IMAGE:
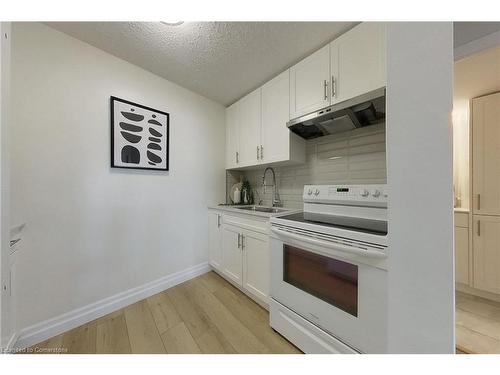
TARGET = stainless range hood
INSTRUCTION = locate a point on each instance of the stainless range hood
(364, 110)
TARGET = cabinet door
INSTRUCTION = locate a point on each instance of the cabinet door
(275, 115)
(358, 61)
(256, 272)
(486, 250)
(215, 240)
(309, 82)
(232, 265)
(462, 255)
(486, 154)
(232, 136)
(250, 123)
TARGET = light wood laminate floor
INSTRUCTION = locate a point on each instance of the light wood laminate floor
(477, 324)
(202, 315)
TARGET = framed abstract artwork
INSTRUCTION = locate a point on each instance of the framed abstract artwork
(139, 136)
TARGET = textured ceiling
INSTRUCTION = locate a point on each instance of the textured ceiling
(220, 60)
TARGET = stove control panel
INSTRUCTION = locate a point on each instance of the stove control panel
(346, 194)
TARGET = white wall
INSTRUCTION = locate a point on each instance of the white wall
(474, 76)
(93, 231)
(419, 173)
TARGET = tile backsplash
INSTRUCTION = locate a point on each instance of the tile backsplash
(354, 157)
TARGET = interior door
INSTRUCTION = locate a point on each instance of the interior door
(486, 239)
(275, 115)
(256, 269)
(250, 124)
(232, 265)
(232, 136)
(358, 61)
(309, 82)
(215, 240)
(486, 154)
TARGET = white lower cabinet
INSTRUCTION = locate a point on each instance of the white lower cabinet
(215, 239)
(462, 248)
(462, 255)
(256, 264)
(232, 258)
(239, 252)
(486, 260)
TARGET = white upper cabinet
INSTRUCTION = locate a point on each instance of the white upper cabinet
(250, 125)
(278, 143)
(351, 65)
(309, 83)
(485, 154)
(232, 136)
(256, 130)
(358, 61)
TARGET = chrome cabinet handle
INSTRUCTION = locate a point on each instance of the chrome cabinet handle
(334, 87)
(261, 152)
(479, 201)
(218, 221)
(237, 157)
(242, 242)
(239, 244)
(479, 228)
(325, 87)
(257, 152)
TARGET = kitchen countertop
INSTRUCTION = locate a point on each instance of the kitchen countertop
(234, 209)
(461, 209)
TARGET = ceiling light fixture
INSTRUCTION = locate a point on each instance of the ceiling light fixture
(175, 23)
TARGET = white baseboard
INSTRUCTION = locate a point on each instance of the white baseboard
(62, 323)
(476, 292)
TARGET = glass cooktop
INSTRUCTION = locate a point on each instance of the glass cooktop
(378, 227)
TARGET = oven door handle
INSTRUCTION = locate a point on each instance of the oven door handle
(339, 247)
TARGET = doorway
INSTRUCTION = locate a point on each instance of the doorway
(476, 137)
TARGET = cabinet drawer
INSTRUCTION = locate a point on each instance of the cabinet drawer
(305, 335)
(256, 224)
(462, 219)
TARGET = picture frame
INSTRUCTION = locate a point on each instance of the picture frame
(140, 136)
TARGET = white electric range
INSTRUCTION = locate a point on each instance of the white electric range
(329, 272)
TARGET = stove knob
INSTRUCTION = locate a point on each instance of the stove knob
(365, 193)
(309, 192)
(316, 192)
(376, 193)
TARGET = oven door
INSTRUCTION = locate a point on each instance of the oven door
(342, 292)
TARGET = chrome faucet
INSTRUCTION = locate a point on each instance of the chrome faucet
(276, 196)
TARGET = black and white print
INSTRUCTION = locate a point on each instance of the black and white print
(139, 136)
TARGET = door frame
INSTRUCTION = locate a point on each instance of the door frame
(8, 323)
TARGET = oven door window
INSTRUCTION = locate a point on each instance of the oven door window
(331, 280)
